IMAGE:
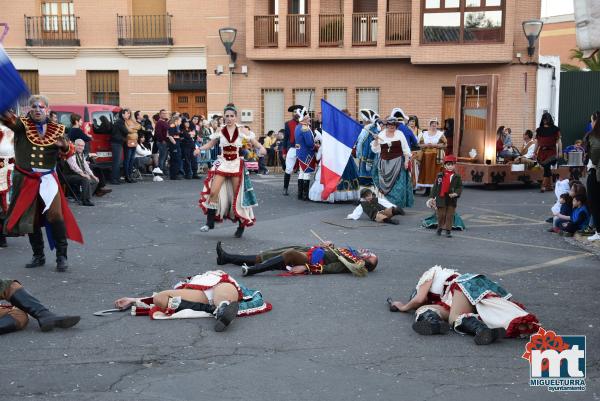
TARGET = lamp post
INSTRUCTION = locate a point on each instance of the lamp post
(227, 36)
(532, 29)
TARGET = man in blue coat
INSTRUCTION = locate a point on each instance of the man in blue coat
(305, 152)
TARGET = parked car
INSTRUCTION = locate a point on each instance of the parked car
(97, 121)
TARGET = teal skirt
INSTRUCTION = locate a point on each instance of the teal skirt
(401, 194)
(431, 222)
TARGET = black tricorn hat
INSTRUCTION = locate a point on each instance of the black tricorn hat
(295, 107)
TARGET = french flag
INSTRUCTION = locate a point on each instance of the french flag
(340, 133)
(12, 86)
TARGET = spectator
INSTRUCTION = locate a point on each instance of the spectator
(76, 132)
(117, 139)
(52, 116)
(204, 156)
(143, 157)
(174, 146)
(160, 137)
(279, 147)
(269, 143)
(592, 150)
(188, 146)
(215, 128)
(79, 175)
(579, 219)
(134, 129)
(564, 215)
(504, 144)
(576, 147)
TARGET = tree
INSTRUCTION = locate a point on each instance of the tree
(592, 63)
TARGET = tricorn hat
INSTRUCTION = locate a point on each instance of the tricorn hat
(295, 107)
(368, 116)
(399, 114)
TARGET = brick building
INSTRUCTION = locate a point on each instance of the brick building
(152, 54)
(559, 37)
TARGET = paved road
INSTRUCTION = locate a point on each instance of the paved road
(327, 338)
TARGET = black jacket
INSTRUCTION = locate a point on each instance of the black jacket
(119, 132)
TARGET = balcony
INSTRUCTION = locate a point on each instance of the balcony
(397, 29)
(331, 30)
(266, 30)
(364, 29)
(144, 30)
(51, 30)
(298, 30)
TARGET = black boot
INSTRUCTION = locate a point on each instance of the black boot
(300, 189)
(225, 313)
(46, 319)
(197, 306)
(59, 232)
(305, 189)
(7, 324)
(224, 258)
(240, 231)
(2, 239)
(429, 323)
(37, 244)
(286, 183)
(398, 211)
(210, 218)
(276, 263)
(427, 192)
(483, 334)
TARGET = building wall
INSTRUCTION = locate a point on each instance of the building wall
(557, 39)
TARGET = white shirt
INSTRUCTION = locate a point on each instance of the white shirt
(398, 136)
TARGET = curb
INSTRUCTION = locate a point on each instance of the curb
(583, 243)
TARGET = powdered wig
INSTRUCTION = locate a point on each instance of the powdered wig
(33, 99)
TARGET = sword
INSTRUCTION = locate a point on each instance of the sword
(110, 311)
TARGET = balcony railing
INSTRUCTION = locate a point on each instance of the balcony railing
(51, 30)
(331, 30)
(266, 30)
(364, 29)
(397, 29)
(144, 30)
(298, 30)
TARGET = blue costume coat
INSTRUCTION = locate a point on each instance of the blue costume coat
(305, 149)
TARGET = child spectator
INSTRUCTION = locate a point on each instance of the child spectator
(576, 147)
(580, 217)
(566, 208)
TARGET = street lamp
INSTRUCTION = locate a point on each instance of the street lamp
(227, 36)
(532, 29)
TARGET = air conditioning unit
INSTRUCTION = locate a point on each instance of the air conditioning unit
(247, 116)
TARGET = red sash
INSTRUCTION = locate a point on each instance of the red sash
(29, 191)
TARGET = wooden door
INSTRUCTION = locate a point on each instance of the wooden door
(191, 102)
(148, 7)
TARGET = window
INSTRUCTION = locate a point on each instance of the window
(102, 121)
(103, 87)
(188, 80)
(463, 21)
(273, 110)
(58, 16)
(306, 98)
(367, 98)
(337, 97)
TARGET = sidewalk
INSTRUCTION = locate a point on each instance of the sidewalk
(582, 242)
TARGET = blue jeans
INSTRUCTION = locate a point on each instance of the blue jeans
(128, 161)
(117, 151)
(162, 155)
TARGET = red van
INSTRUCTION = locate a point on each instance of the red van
(98, 120)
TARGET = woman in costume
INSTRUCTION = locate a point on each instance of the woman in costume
(213, 293)
(471, 303)
(413, 125)
(548, 146)
(432, 144)
(7, 164)
(391, 174)
(228, 191)
(364, 153)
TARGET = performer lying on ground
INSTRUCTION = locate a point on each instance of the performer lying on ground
(14, 317)
(321, 259)
(471, 303)
(213, 293)
(377, 209)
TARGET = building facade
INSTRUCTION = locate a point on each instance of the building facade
(379, 54)
(559, 37)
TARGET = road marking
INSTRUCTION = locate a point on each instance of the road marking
(505, 225)
(510, 243)
(553, 262)
(506, 214)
